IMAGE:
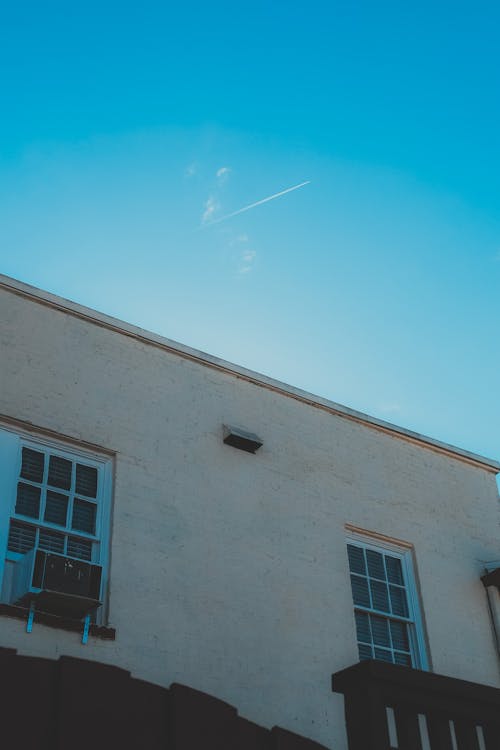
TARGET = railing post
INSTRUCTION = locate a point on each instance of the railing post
(365, 715)
(438, 727)
(407, 729)
(491, 734)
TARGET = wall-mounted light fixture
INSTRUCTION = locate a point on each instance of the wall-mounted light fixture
(491, 582)
(245, 441)
(492, 577)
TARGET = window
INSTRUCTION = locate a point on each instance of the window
(54, 498)
(388, 623)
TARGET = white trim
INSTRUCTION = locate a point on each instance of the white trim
(404, 552)
(55, 440)
(114, 324)
(375, 539)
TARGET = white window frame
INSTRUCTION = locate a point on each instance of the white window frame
(12, 441)
(404, 553)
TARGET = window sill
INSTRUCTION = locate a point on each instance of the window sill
(60, 623)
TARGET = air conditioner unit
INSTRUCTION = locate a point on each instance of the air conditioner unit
(57, 584)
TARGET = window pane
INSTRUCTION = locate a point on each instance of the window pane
(398, 601)
(360, 593)
(356, 559)
(56, 508)
(363, 627)
(86, 480)
(380, 597)
(83, 516)
(51, 541)
(80, 548)
(375, 564)
(402, 659)
(60, 472)
(399, 633)
(383, 655)
(32, 465)
(21, 537)
(394, 572)
(380, 631)
(28, 500)
(365, 652)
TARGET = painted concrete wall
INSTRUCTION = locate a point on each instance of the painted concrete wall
(229, 570)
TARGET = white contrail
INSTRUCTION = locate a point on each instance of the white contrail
(257, 203)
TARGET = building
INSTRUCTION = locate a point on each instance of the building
(229, 514)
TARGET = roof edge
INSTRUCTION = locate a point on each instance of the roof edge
(115, 324)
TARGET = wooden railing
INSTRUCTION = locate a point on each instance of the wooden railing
(389, 706)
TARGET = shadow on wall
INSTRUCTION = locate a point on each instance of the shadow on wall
(77, 704)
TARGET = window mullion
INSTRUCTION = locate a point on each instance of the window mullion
(388, 586)
(368, 578)
(46, 458)
(69, 518)
(43, 503)
(386, 615)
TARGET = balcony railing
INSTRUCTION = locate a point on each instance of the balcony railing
(389, 706)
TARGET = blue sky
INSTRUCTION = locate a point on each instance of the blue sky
(376, 285)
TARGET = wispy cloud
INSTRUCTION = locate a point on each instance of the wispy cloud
(259, 203)
(246, 261)
(191, 170)
(239, 239)
(248, 256)
(210, 208)
(222, 174)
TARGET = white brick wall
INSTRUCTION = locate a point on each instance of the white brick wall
(228, 570)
